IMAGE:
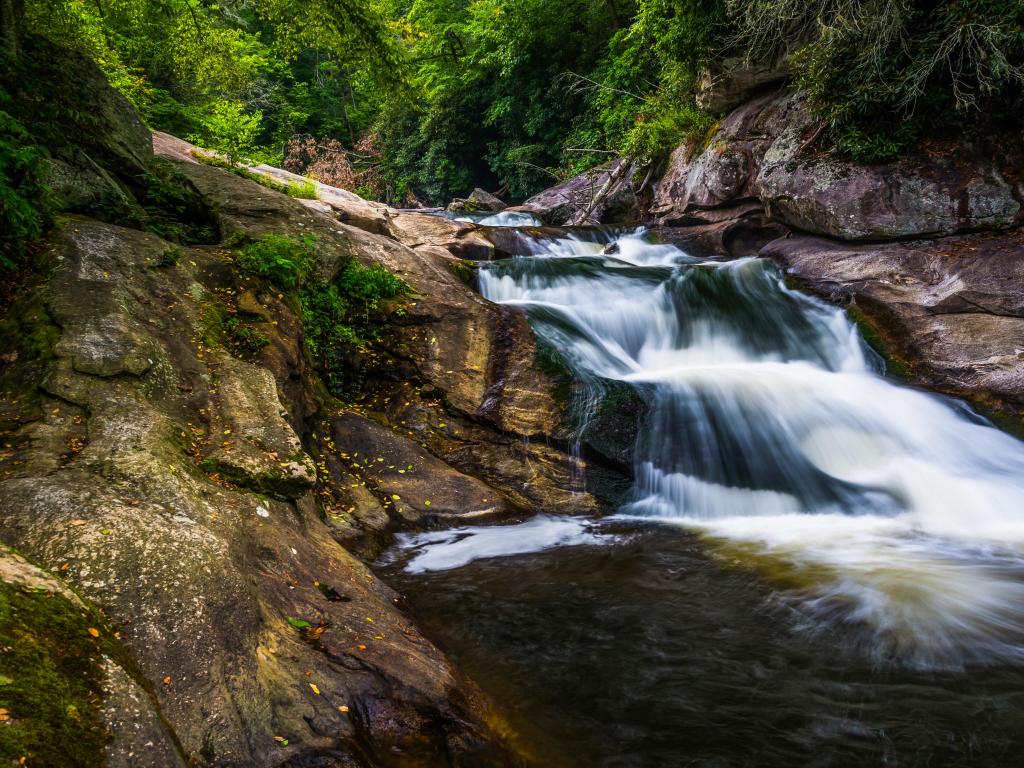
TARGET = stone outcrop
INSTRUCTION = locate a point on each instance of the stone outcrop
(479, 200)
(602, 195)
(761, 152)
(209, 499)
(99, 143)
(950, 311)
(169, 482)
(927, 250)
(727, 84)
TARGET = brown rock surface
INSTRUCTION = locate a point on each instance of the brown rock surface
(951, 309)
(202, 576)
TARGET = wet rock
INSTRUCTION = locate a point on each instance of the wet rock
(128, 714)
(950, 310)
(478, 200)
(567, 203)
(761, 152)
(202, 576)
(409, 479)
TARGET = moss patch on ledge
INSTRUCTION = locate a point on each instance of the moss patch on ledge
(875, 337)
(51, 677)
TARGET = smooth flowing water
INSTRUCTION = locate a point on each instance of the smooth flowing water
(815, 566)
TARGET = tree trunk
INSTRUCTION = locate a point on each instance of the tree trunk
(12, 14)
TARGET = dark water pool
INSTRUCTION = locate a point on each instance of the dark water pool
(649, 652)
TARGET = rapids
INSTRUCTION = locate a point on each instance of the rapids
(881, 520)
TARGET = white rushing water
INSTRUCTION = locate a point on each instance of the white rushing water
(885, 509)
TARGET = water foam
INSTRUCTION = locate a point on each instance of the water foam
(771, 432)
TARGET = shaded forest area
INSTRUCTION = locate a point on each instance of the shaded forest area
(416, 101)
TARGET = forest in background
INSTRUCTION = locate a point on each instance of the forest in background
(417, 101)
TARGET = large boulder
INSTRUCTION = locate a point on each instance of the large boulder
(762, 151)
(479, 200)
(949, 311)
(602, 195)
(95, 134)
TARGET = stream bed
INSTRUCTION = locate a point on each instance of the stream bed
(815, 566)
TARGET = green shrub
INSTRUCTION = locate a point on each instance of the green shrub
(229, 129)
(281, 260)
(340, 313)
(24, 198)
(243, 338)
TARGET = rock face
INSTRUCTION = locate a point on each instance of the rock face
(130, 729)
(894, 241)
(951, 310)
(573, 202)
(759, 152)
(137, 471)
(478, 200)
(98, 143)
(204, 496)
(729, 83)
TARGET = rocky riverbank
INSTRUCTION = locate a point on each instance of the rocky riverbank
(927, 251)
(173, 458)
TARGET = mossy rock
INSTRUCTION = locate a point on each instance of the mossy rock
(52, 652)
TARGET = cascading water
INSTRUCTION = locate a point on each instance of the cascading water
(770, 431)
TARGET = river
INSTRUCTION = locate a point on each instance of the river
(815, 565)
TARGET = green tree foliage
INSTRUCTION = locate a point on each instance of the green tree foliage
(434, 97)
(24, 209)
(230, 129)
(884, 73)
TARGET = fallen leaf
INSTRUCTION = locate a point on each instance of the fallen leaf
(314, 689)
(343, 708)
(167, 679)
(299, 623)
(93, 631)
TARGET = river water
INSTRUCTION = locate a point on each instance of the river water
(815, 565)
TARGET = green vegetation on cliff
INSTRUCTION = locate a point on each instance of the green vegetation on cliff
(424, 99)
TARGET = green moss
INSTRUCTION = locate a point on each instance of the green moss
(875, 338)
(274, 483)
(27, 337)
(302, 190)
(465, 270)
(211, 324)
(51, 680)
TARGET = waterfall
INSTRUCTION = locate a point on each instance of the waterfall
(772, 432)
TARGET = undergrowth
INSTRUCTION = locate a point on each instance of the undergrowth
(338, 316)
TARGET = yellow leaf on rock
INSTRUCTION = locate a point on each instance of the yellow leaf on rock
(315, 689)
